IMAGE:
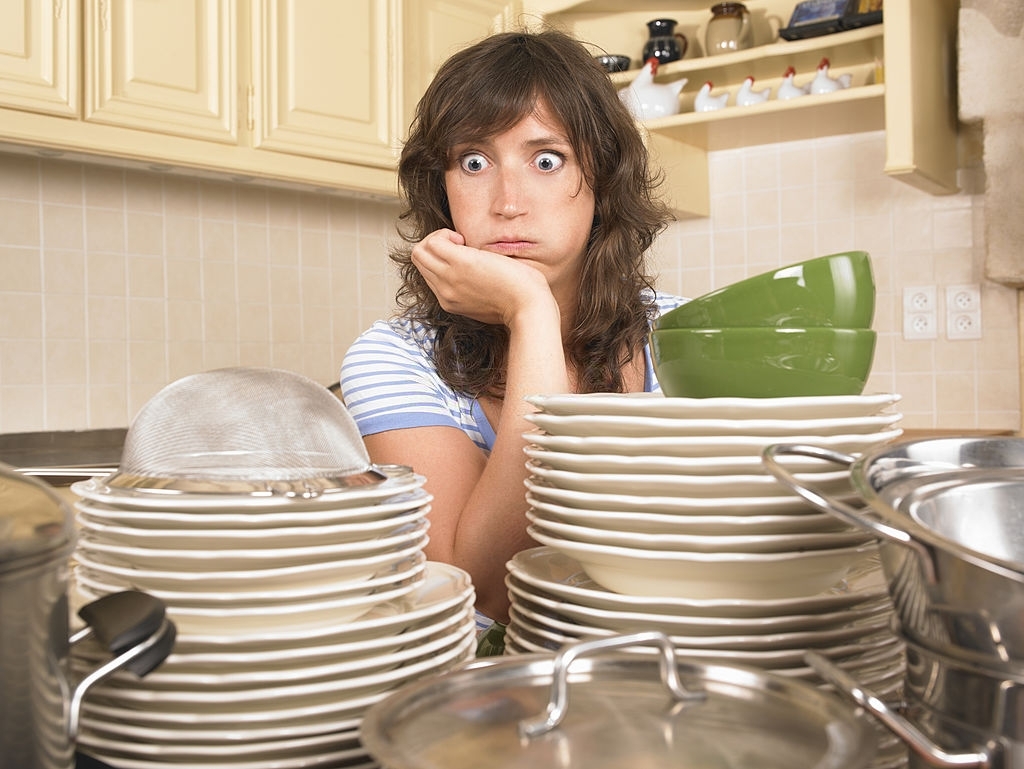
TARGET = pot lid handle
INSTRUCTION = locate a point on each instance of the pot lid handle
(559, 699)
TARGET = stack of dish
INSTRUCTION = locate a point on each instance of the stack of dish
(293, 568)
(657, 513)
(293, 617)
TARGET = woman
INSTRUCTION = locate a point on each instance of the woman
(530, 206)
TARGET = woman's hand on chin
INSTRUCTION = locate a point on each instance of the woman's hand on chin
(488, 287)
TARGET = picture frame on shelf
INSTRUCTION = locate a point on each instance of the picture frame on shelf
(814, 18)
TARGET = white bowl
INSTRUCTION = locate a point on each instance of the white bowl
(709, 575)
(638, 522)
(738, 544)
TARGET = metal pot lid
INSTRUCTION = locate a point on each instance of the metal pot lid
(35, 524)
(586, 707)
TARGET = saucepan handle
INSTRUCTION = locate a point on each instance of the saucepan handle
(856, 517)
(134, 627)
(986, 758)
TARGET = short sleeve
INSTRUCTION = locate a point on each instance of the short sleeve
(388, 382)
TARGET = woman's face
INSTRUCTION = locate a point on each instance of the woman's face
(521, 193)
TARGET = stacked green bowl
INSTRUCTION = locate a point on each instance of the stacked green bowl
(800, 330)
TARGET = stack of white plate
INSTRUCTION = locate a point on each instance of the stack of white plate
(293, 615)
(657, 513)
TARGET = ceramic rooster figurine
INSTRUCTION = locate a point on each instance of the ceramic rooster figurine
(705, 102)
(646, 99)
(788, 89)
(746, 95)
(825, 83)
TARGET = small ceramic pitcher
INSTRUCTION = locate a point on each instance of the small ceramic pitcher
(663, 42)
(728, 30)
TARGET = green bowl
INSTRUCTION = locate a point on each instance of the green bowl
(762, 362)
(836, 291)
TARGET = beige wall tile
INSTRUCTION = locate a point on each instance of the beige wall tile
(19, 223)
(20, 269)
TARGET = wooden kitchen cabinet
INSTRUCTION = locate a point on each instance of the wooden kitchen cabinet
(306, 92)
(914, 101)
(39, 56)
(163, 67)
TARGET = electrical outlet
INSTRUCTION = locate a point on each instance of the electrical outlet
(920, 318)
(963, 311)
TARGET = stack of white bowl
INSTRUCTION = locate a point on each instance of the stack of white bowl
(293, 615)
(657, 513)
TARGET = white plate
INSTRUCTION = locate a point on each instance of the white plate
(173, 674)
(289, 657)
(644, 427)
(118, 723)
(246, 619)
(97, 490)
(703, 446)
(644, 484)
(563, 576)
(445, 589)
(391, 574)
(348, 758)
(304, 575)
(678, 505)
(709, 575)
(526, 636)
(690, 543)
(625, 621)
(796, 640)
(213, 560)
(93, 520)
(257, 699)
(667, 523)
(743, 464)
(657, 405)
(271, 750)
(258, 518)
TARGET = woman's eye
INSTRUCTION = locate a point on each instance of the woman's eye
(473, 163)
(549, 161)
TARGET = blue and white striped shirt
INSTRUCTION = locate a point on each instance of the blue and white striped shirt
(388, 381)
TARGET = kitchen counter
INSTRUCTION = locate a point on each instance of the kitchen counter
(76, 454)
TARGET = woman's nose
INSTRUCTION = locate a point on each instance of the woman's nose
(508, 198)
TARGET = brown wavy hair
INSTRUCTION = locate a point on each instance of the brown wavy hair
(482, 91)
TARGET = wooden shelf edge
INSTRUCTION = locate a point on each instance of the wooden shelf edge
(853, 110)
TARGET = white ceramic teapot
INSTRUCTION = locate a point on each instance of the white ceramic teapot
(646, 99)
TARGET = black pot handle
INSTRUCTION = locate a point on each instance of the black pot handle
(122, 620)
(134, 627)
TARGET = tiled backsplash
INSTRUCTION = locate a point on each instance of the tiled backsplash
(114, 282)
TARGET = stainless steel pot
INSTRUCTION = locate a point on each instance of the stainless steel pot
(595, 705)
(39, 702)
(948, 513)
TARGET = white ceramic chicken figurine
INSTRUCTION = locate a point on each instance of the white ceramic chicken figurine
(646, 99)
(746, 95)
(705, 102)
(825, 83)
(788, 89)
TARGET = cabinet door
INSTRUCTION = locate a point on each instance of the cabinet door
(164, 66)
(39, 56)
(434, 30)
(324, 79)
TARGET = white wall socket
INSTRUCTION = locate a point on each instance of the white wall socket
(963, 311)
(920, 317)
